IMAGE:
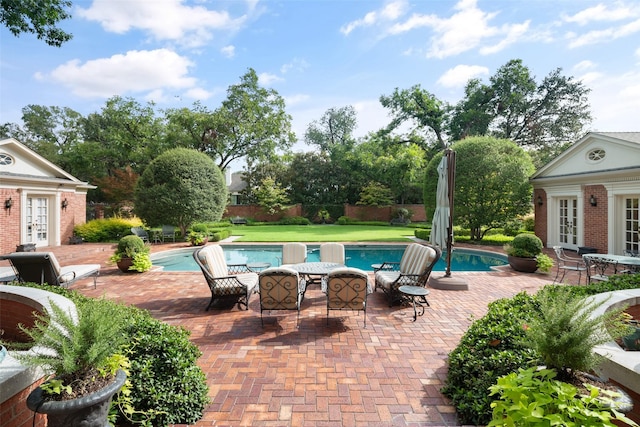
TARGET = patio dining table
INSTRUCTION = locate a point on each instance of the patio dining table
(620, 259)
(309, 269)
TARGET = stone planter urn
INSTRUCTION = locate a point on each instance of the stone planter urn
(124, 265)
(523, 265)
(86, 411)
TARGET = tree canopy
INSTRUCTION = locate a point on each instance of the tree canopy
(36, 17)
(180, 187)
(492, 183)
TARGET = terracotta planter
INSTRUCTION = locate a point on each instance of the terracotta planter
(124, 265)
(86, 411)
(524, 265)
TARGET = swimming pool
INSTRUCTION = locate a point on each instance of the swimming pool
(358, 256)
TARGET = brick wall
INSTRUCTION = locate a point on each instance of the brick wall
(595, 218)
(14, 411)
(256, 213)
(375, 213)
(540, 212)
(9, 221)
(74, 214)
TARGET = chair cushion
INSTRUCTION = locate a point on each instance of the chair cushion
(250, 280)
(332, 252)
(213, 259)
(416, 259)
(294, 253)
(279, 289)
(384, 278)
(347, 288)
(70, 273)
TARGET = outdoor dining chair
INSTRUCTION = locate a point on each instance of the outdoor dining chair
(234, 282)
(141, 233)
(413, 269)
(168, 232)
(43, 267)
(280, 288)
(294, 253)
(332, 252)
(347, 289)
(567, 263)
(599, 268)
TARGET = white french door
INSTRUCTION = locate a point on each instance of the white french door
(37, 220)
(568, 220)
(631, 223)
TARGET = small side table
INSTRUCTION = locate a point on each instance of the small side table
(413, 293)
(258, 266)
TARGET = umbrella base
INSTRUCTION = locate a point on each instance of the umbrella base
(448, 283)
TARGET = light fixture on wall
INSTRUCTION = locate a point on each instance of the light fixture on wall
(8, 203)
(593, 200)
(64, 204)
(540, 202)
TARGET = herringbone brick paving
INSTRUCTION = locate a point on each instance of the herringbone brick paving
(341, 374)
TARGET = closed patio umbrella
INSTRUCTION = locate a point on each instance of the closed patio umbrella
(440, 221)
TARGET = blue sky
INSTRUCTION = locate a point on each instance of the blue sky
(320, 54)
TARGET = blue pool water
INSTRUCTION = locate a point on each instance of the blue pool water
(358, 256)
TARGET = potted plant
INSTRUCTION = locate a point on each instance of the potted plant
(523, 251)
(79, 353)
(563, 334)
(132, 254)
(198, 235)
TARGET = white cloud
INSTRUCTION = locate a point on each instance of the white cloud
(296, 64)
(198, 94)
(228, 51)
(295, 99)
(606, 35)
(600, 12)
(468, 28)
(459, 75)
(615, 101)
(133, 72)
(163, 19)
(584, 65)
(389, 13)
(268, 79)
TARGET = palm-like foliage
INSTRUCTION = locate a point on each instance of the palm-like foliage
(67, 345)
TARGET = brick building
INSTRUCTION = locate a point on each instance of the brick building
(39, 202)
(589, 196)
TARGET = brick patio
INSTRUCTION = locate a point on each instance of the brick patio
(341, 374)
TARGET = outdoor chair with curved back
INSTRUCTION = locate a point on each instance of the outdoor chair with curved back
(347, 289)
(567, 263)
(226, 281)
(332, 252)
(294, 253)
(414, 269)
(280, 288)
(43, 267)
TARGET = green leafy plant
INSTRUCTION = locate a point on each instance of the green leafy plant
(544, 262)
(564, 334)
(532, 397)
(524, 245)
(133, 247)
(74, 351)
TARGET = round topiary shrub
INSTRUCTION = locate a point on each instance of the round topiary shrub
(130, 245)
(525, 246)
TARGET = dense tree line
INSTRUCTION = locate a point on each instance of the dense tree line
(112, 147)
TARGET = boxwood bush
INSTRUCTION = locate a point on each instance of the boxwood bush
(493, 346)
(167, 385)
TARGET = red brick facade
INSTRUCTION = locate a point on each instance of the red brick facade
(596, 235)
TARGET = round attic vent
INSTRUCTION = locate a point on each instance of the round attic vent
(596, 155)
(5, 159)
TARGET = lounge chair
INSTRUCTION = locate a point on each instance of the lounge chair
(43, 267)
(226, 281)
(413, 269)
(347, 289)
(280, 288)
(332, 252)
(141, 233)
(294, 253)
(7, 275)
(567, 263)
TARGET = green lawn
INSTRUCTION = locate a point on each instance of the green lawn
(322, 233)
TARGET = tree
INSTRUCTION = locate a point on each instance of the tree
(36, 17)
(335, 128)
(492, 183)
(545, 117)
(271, 196)
(250, 123)
(376, 194)
(420, 106)
(180, 187)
